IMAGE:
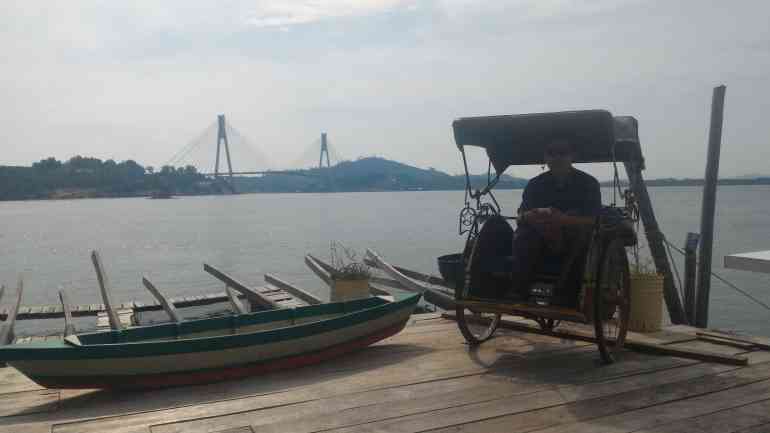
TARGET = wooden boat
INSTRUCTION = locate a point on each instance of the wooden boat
(214, 349)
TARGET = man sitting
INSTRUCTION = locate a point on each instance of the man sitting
(554, 203)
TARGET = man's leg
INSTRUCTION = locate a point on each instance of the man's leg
(528, 250)
(575, 238)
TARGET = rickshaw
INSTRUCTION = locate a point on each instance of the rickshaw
(597, 253)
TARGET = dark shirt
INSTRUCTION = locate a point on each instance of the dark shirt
(580, 195)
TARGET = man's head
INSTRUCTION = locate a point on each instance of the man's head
(559, 154)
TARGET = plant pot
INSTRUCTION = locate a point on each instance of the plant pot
(345, 290)
(646, 302)
(452, 269)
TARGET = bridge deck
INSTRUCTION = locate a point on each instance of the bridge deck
(427, 379)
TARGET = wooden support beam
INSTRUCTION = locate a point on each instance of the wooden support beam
(294, 290)
(69, 326)
(758, 342)
(708, 207)
(166, 303)
(690, 268)
(234, 301)
(104, 287)
(638, 346)
(430, 294)
(655, 241)
(6, 331)
(255, 298)
(317, 269)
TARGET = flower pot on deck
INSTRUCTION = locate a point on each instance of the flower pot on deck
(646, 302)
(345, 290)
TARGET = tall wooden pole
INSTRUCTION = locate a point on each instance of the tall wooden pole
(655, 241)
(709, 205)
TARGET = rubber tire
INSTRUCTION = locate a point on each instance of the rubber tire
(608, 350)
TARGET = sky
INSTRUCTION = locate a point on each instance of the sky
(142, 79)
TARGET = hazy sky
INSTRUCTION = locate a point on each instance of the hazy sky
(383, 77)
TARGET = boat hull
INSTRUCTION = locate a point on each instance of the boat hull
(200, 360)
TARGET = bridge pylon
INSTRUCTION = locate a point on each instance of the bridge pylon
(324, 151)
(222, 138)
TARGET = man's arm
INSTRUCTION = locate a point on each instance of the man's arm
(526, 199)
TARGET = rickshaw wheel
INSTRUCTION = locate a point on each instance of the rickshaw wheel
(612, 301)
(476, 327)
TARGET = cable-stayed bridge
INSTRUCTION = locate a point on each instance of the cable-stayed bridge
(221, 152)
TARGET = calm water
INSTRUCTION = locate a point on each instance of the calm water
(248, 235)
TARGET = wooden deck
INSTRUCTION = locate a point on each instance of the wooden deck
(427, 379)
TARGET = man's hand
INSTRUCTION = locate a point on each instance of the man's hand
(544, 215)
(536, 216)
(557, 218)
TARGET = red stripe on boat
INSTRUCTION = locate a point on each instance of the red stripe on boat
(160, 380)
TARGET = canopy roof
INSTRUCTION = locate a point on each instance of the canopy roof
(521, 139)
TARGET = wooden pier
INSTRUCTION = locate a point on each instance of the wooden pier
(427, 379)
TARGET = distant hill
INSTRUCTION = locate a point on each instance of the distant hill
(670, 181)
(367, 174)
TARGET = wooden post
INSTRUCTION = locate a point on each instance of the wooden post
(234, 301)
(690, 266)
(430, 295)
(655, 241)
(326, 266)
(293, 290)
(256, 299)
(164, 301)
(104, 287)
(709, 205)
(6, 330)
(69, 327)
(319, 270)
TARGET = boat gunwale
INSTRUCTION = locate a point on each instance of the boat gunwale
(63, 350)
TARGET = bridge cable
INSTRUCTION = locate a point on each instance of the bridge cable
(190, 146)
(257, 153)
(310, 154)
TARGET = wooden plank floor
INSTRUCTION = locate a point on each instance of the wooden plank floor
(427, 379)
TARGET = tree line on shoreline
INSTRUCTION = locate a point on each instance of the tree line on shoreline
(85, 177)
(81, 177)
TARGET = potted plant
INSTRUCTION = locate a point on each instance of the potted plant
(350, 276)
(646, 295)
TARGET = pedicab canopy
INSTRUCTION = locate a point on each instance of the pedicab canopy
(521, 139)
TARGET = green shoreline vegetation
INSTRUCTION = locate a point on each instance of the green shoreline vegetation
(85, 177)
